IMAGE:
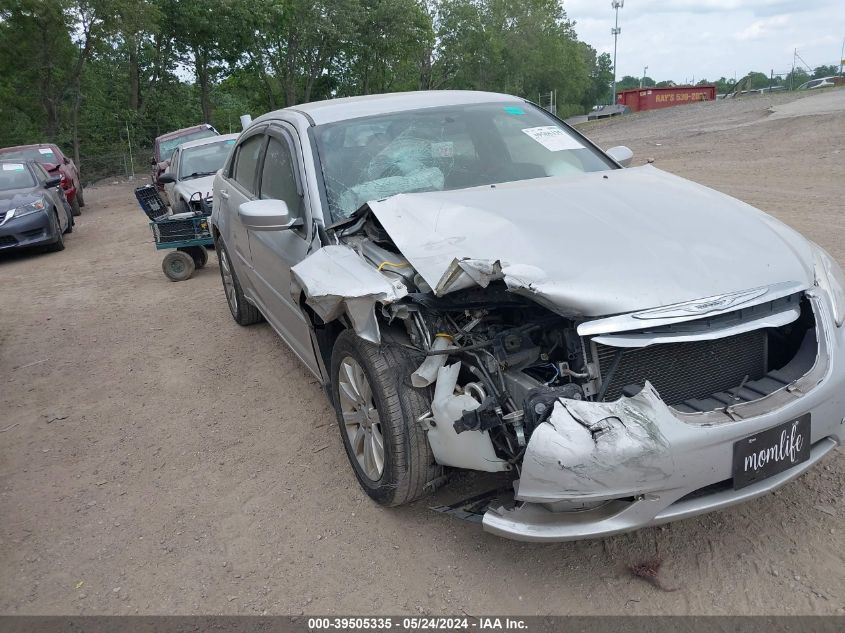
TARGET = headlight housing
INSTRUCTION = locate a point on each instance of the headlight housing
(829, 277)
(32, 207)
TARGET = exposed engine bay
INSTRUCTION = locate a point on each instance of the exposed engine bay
(499, 362)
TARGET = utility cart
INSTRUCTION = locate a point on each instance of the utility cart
(187, 233)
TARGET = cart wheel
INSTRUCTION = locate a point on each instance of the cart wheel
(178, 266)
(198, 253)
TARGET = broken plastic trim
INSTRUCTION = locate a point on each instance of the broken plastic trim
(337, 281)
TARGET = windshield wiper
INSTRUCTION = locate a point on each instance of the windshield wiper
(199, 174)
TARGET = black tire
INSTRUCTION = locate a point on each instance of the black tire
(178, 266)
(199, 254)
(59, 244)
(242, 311)
(70, 221)
(408, 464)
(79, 195)
(74, 206)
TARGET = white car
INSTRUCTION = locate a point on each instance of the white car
(822, 82)
(189, 179)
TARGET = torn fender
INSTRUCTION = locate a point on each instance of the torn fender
(598, 450)
(336, 281)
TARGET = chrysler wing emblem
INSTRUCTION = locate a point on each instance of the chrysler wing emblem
(701, 307)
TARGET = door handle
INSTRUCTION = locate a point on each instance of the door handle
(224, 193)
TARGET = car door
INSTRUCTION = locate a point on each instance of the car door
(281, 177)
(241, 185)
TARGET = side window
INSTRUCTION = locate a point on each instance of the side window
(40, 172)
(246, 163)
(278, 180)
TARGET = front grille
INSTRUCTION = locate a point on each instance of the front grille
(686, 371)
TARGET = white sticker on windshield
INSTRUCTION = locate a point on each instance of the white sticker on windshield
(553, 138)
(12, 166)
(45, 151)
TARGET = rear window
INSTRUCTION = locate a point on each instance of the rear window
(39, 154)
(15, 176)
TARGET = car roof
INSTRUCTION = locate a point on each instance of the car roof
(333, 110)
(183, 131)
(208, 140)
(30, 146)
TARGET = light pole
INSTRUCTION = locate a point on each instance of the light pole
(842, 56)
(645, 70)
(615, 31)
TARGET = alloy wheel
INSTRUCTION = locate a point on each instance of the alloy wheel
(360, 418)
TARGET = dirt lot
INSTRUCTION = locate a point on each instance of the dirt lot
(157, 458)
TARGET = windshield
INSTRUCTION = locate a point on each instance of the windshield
(15, 176)
(438, 149)
(165, 148)
(40, 154)
(204, 160)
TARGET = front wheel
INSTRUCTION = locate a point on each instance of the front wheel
(378, 412)
(74, 206)
(79, 195)
(59, 244)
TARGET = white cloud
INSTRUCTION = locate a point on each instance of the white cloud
(686, 39)
(763, 28)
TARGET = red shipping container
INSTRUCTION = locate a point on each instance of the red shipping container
(651, 98)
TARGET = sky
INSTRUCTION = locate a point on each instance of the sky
(707, 39)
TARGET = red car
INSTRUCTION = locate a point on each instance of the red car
(56, 163)
(166, 143)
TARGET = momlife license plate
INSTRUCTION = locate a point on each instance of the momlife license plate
(770, 452)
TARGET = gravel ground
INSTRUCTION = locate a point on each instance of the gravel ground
(157, 458)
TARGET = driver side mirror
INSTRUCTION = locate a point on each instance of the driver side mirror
(52, 181)
(621, 155)
(267, 215)
(167, 179)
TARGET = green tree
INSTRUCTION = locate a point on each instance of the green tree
(35, 62)
(601, 79)
(825, 71)
(627, 82)
(524, 47)
(795, 78)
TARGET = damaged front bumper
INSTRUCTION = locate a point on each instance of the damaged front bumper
(598, 469)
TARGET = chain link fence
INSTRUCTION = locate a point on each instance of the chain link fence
(116, 165)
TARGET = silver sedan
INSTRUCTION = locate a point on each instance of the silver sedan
(478, 286)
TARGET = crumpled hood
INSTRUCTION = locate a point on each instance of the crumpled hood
(595, 244)
(16, 198)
